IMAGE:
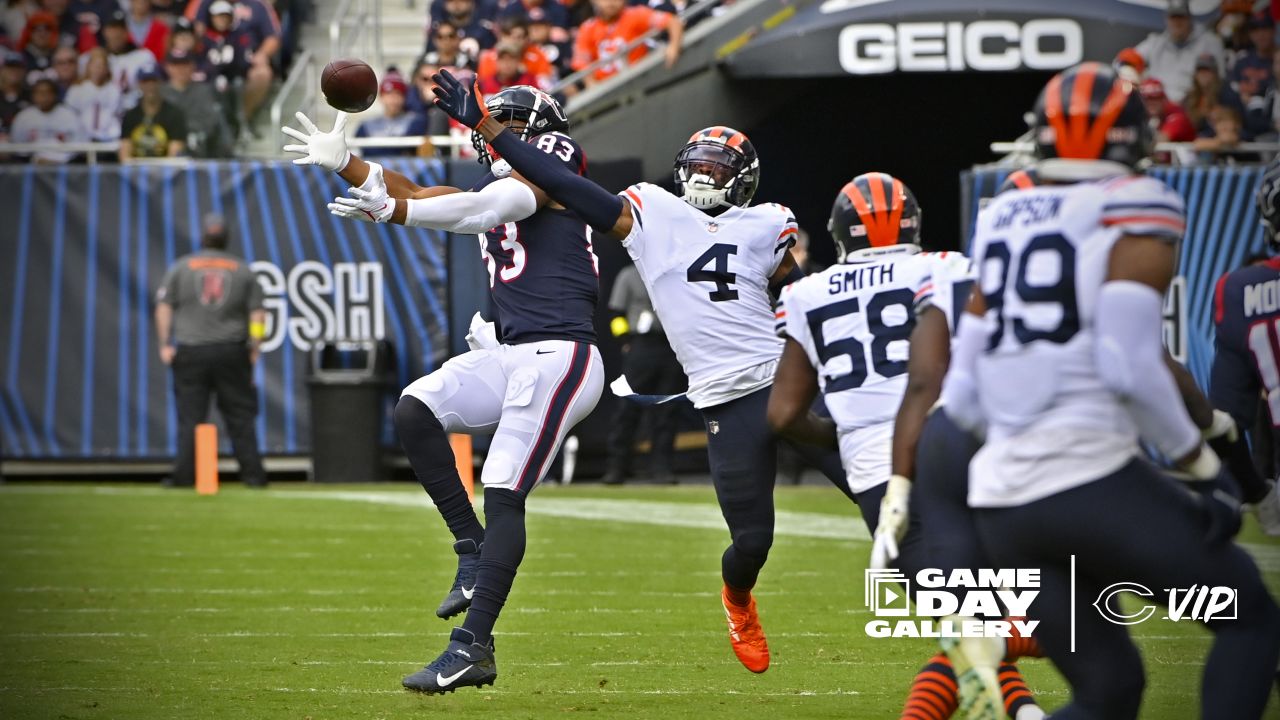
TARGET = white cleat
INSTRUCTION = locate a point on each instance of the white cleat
(1268, 511)
(976, 662)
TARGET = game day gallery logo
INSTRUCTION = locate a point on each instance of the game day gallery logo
(984, 593)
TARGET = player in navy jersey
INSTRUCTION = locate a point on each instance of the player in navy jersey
(1246, 363)
(530, 376)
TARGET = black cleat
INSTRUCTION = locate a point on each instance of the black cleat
(465, 663)
(464, 583)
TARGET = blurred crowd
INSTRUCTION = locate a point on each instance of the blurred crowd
(503, 43)
(1213, 87)
(166, 78)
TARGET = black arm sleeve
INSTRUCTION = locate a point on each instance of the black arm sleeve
(599, 207)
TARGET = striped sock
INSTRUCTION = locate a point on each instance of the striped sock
(1020, 646)
(934, 695)
(1016, 693)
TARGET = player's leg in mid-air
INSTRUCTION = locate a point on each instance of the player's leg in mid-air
(743, 459)
(542, 390)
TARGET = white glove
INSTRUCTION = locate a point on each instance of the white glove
(369, 202)
(328, 150)
(1206, 466)
(481, 335)
(1223, 426)
(894, 516)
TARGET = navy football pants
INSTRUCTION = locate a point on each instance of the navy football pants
(744, 465)
(1134, 525)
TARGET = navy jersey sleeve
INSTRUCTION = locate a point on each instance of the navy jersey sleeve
(1233, 381)
(563, 148)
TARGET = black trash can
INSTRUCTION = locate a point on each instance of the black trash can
(349, 382)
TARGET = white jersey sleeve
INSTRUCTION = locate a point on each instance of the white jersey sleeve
(1141, 205)
(948, 281)
(708, 278)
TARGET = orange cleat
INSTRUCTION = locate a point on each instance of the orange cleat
(745, 634)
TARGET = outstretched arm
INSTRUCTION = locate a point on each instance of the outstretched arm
(500, 202)
(329, 151)
(602, 210)
(929, 354)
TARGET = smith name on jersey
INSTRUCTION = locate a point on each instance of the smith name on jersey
(543, 271)
(854, 321)
(708, 278)
(1042, 255)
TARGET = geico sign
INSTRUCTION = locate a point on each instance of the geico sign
(986, 45)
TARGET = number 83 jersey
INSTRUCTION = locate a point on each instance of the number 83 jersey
(854, 321)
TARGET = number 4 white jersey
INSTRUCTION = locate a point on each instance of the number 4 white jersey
(1042, 255)
(708, 277)
(854, 321)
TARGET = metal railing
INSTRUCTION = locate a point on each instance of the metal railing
(304, 71)
(447, 145)
(622, 53)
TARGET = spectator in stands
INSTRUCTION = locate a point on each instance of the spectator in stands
(39, 40)
(1251, 73)
(182, 37)
(251, 25)
(1222, 141)
(448, 52)
(1171, 55)
(207, 132)
(396, 121)
(47, 121)
(419, 98)
(1169, 122)
(154, 128)
(209, 320)
(96, 99)
(15, 16)
(614, 26)
(513, 31)
(508, 71)
(86, 16)
(1230, 26)
(551, 39)
(1130, 65)
(474, 30)
(65, 69)
(552, 13)
(127, 60)
(13, 88)
(1207, 92)
(145, 29)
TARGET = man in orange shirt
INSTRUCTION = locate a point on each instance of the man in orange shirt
(615, 24)
(514, 30)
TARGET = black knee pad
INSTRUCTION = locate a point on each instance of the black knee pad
(412, 417)
(753, 543)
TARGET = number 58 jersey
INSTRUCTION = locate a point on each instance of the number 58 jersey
(708, 278)
(1043, 255)
(854, 321)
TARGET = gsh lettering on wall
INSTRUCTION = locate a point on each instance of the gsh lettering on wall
(985, 46)
(314, 302)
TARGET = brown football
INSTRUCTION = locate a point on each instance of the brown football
(349, 85)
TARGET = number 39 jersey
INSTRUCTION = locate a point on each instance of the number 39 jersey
(1042, 255)
(854, 321)
(708, 277)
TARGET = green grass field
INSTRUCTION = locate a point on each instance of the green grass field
(299, 602)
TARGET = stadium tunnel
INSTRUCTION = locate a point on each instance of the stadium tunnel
(830, 89)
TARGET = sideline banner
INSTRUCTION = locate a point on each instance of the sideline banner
(1222, 231)
(84, 247)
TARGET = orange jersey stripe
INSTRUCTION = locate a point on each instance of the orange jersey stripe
(635, 198)
(1156, 219)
